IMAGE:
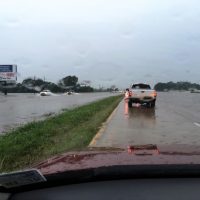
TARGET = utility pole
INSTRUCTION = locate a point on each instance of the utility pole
(34, 85)
(5, 91)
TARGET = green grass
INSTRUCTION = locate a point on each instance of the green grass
(71, 130)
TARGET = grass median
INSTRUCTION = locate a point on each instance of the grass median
(71, 130)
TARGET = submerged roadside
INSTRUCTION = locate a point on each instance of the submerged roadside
(71, 130)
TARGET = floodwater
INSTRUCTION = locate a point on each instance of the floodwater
(175, 120)
(17, 109)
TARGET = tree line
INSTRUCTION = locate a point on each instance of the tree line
(66, 84)
(176, 86)
(33, 85)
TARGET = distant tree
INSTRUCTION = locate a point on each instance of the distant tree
(35, 84)
(33, 81)
(54, 87)
(112, 88)
(85, 89)
(68, 81)
(116, 89)
(19, 88)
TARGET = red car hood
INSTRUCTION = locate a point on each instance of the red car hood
(134, 155)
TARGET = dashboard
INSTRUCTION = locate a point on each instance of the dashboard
(138, 189)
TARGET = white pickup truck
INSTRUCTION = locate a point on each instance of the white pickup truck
(141, 93)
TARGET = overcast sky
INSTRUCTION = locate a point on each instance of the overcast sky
(106, 41)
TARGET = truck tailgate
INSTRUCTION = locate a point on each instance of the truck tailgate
(142, 93)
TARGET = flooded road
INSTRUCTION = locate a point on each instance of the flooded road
(17, 109)
(175, 120)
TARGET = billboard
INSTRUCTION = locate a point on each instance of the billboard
(8, 73)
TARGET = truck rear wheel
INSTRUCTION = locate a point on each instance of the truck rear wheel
(152, 104)
(129, 104)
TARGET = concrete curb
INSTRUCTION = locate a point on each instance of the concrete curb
(102, 129)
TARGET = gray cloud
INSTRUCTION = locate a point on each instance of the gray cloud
(111, 42)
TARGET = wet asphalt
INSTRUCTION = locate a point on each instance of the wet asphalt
(175, 120)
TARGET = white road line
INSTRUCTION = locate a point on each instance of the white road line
(197, 124)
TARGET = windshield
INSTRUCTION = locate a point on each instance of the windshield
(141, 86)
(65, 67)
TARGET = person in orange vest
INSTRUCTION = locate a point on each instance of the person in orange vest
(127, 93)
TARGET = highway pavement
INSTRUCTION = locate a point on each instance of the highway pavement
(174, 121)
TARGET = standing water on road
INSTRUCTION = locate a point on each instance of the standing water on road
(175, 120)
(17, 109)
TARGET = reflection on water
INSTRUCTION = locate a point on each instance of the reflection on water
(139, 116)
(17, 109)
(170, 123)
